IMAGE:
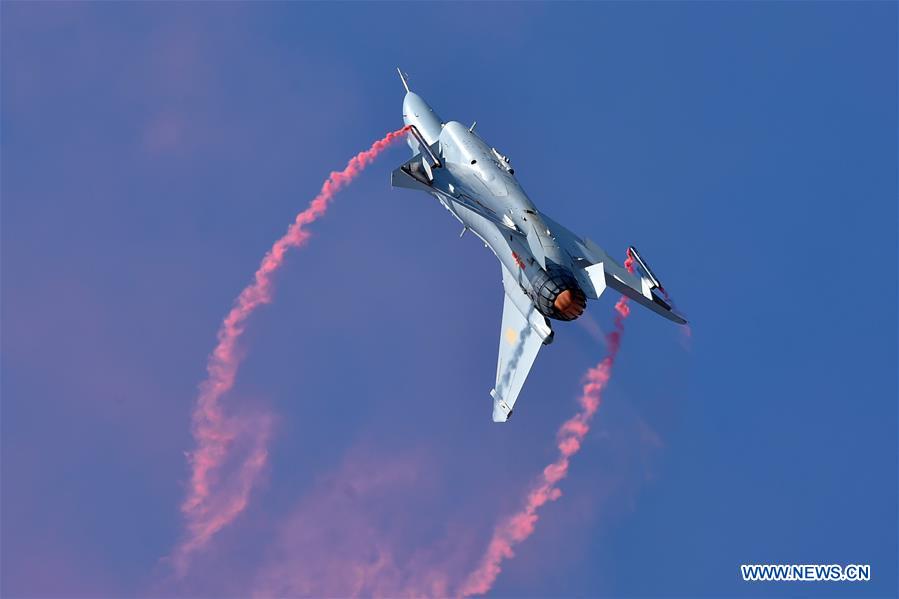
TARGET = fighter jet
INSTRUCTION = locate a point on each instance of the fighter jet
(548, 271)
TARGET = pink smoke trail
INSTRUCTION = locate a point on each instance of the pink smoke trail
(210, 505)
(570, 436)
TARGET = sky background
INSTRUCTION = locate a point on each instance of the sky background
(151, 153)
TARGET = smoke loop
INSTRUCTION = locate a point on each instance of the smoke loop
(212, 502)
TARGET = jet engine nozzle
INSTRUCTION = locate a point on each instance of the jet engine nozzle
(570, 303)
(558, 295)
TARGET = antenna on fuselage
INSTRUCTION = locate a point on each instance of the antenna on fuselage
(404, 79)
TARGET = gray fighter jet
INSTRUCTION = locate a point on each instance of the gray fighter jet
(548, 271)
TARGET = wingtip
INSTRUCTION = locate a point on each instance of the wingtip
(501, 411)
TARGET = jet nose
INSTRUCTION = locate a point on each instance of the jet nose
(417, 112)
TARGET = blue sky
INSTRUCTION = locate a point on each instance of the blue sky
(152, 152)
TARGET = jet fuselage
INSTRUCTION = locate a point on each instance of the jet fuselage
(477, 184)
(548, 271)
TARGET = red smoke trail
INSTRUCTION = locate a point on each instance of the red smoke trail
(570, 435)
(211, 505)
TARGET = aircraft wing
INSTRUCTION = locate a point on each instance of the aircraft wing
(524, 331)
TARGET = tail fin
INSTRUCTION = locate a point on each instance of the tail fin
(601, 271)
(639, 286)
(644, 268)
